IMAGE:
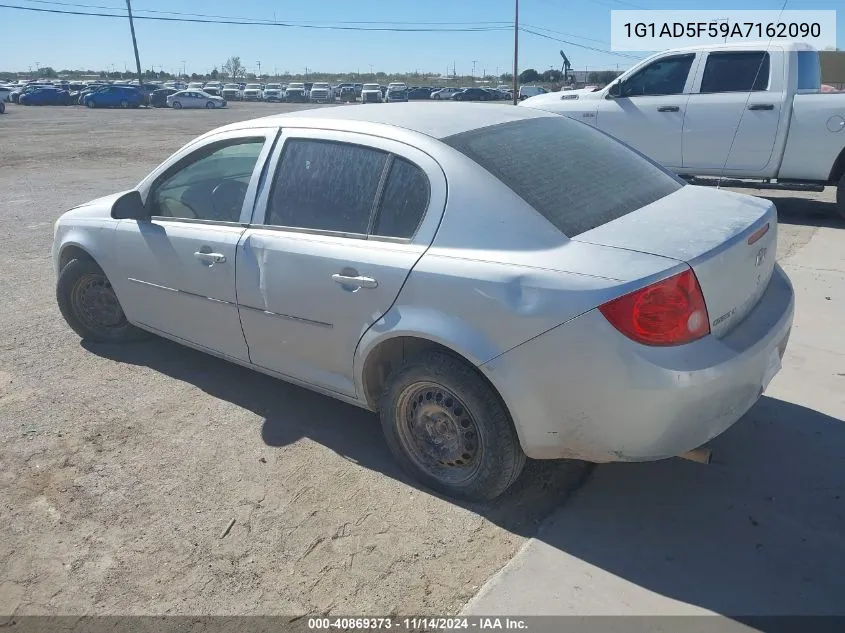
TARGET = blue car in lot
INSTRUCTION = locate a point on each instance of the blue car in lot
(114, 97)
(45, 96)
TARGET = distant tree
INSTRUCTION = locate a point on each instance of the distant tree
(529, 75)
(250, 77)
(506, 78)
(606, 76)
(381, 75)
(47, 72)
(233, 67)
(593, 77)
(551, 76)
(215, 74)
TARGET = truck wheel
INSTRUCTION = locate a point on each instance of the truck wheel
(89, 305)
(2, 107)
(840, 196)
(449, 429)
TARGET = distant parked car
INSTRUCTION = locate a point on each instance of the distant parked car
(253, 92)
(472, 94)
(5, 91)
(397, 91)
(296, 93)
(347, 93)
(371, 93)
(214, 88)
(195, 99)
(15, 95)
(195, 85)
(419, 93)
(321, 93)
(158, 99)
(231, 92)
(45, 96)
(531, 91)
(274, 92)
(114, 97)
(444, 93)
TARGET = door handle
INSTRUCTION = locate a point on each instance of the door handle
(668, 109)
(349, 280)
(761, 106)
(215, 258)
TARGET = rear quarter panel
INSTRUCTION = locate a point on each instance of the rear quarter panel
(816, 136)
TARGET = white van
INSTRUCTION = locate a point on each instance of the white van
(531, 91)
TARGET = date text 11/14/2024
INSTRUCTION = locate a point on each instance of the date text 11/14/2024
(417, 624)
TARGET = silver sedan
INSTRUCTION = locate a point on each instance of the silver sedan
(495, 282)
(195, 99)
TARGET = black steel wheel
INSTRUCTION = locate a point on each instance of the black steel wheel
(90, 306)
(840, 196)
(449, 429)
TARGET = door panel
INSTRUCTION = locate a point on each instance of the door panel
(306, 300)
(179, 278)
(728, 124)
(648, 111)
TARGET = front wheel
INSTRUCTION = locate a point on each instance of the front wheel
(89, 304)
(449, 429)
(177, 105)
(90, 104)
(124, 103)
(840, 196)
(2, 107)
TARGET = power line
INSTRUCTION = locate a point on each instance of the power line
(577, 37)
(262, 21)
(589, 48)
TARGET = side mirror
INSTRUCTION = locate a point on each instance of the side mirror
(616, 90)
(129, 206)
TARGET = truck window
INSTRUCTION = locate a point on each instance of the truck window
(666, 76)
(809, 70)
(744, 71)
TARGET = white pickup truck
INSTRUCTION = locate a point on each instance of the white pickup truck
(744, 111)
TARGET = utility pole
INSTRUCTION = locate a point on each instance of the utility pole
(516, 53)
(474, 62)
(134, 43)
(259, 69)
(184, 70)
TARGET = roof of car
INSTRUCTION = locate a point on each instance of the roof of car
(437, 120)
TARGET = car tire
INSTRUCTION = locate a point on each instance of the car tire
(840, 196)
(2, 107)
(177, 105)
(469, 448)
(77, 279)
(210, 105)
(90, 104)
(124, 103)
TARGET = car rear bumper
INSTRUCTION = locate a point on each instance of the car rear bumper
(583, 390)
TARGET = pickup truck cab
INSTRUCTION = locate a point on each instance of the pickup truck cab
(748, 110)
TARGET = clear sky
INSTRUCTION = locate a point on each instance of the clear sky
(71, 41)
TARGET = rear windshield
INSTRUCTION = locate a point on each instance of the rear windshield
(577, 177)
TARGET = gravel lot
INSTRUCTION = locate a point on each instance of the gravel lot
(123, 466)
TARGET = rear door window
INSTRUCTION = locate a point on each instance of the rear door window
(577, 177)
(326, 186)
(403, 202)
(742, 71)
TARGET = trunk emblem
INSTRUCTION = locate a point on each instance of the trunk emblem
(761, 257)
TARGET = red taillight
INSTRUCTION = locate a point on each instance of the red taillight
(669, 312)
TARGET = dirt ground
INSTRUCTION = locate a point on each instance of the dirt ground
(122, 467)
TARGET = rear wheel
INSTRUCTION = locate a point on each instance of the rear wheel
(449, 429)
(2, 107)
(90, 104)
(89, 304)
(124, 103)
(209, 105)
(840, 196)
(177, 105)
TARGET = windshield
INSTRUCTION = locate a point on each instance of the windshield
(273, 86)
(577, 177)
(233, 86)
(320, 86)
(253, 87)
(371, 87)
(296, 86)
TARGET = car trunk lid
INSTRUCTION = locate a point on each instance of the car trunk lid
(728, 239)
